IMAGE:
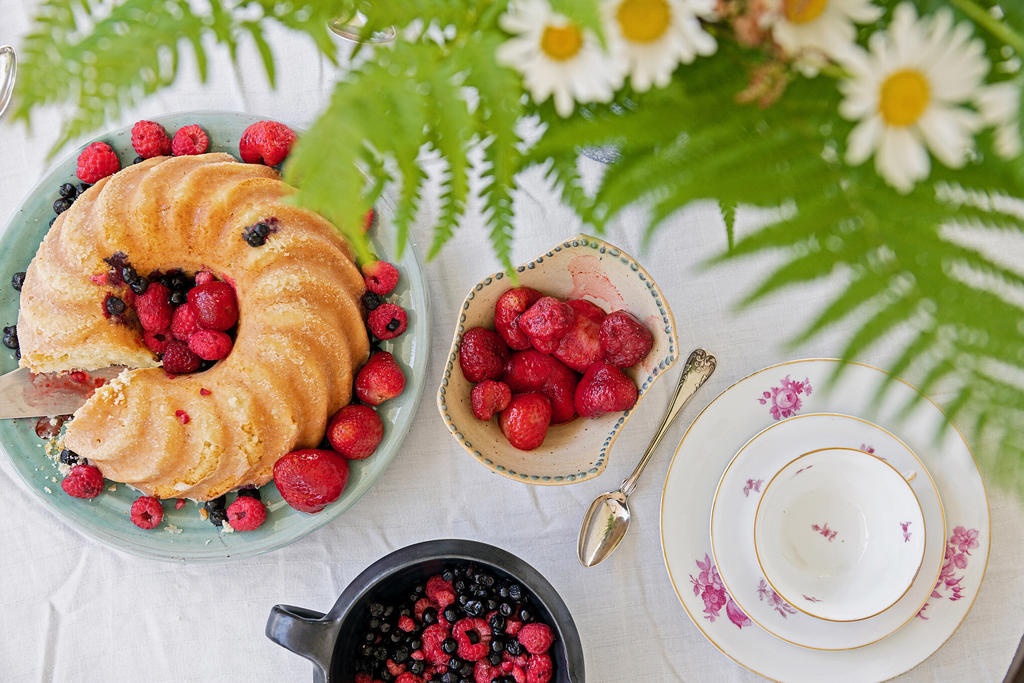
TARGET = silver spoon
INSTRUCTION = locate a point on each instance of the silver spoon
(607, 519)
(8, 70)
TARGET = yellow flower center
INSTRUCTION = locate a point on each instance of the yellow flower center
(904, 97)
(561, 42)
(804, 11)
(644, 21)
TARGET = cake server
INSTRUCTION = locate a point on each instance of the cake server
(26, 394)
(607, 519)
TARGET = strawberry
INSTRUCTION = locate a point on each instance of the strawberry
(525, 422)
(625, 341)
(560, 388)
(528, 370)
(546, 346)
(491, 397)
(581, 346)
(482, 354)
(604, 389)
(310, 479)
(216, 305)
(380, 379)
(547, 320)
(355, 431)
(507, 310)
(154, 308)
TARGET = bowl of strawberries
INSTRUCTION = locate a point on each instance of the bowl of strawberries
(544, 372)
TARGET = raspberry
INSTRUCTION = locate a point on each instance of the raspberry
(363, 678)
(150, 139)
(548, 319)
(355, 431)
(204, 276)
(406, 623)
(406, 677)
(96, 162)
(184, 322)
(84, 481)
(387, 321)
(625, 340)
(154, 308)
(604, 389)
(512, 626)
(182, 416)
(310, 479)
(156, 341)
(380, 379)
(474, 638)
(178, 359)
(210, 344)
(268, 142)
(525, 422)
(147, 512)
(216, 305)
(190, 140)
(432, 638)
(483, 672)
(180, 503)
(440, 592)
(490, 397)
(539, 669)
(482, 355)
(381, 277)
(421, 605)
(246, 514)
(536, 638)
(507, 309)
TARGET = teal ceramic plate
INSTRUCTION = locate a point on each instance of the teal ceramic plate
(184, 535)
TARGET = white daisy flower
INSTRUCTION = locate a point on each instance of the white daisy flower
(556, 57)
(650, 38)
(814, 29)
(906, 91)
(999, 106)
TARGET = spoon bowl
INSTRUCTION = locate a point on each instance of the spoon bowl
(603, 527)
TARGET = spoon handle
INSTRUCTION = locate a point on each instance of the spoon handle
(698, 368)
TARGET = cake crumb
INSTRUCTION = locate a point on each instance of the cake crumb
(112, 487)
(225, 528)
(203, 513)
(48, 490)
(171, 529)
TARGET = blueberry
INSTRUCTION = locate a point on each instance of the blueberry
(389, 610)
(385, 628)
(514, 648)
(397, 637)
(215, 510)
(139, 285)
(515, 591)
(497, 644)
(459, 586)
(415, 644)
(497, 623)
(492, 604)
(370, 637)
(451, 614)
(449, 645)
(525, 616)
(463, 599)
(68, 191)
(179, 282)
(485, 580)
(449, 677)
(380, 653)
(495, 658)
(256, 235)
(61, 205)
(375, 623)
(400, 654)
(177, 297)
(474, 608)
(417, 667)
(82, 187)
(371, 300)
(114, 305)
(18, 280)
(418, 589)
(386, 676)
(447, 574)
(505, 609)
(11, 336)
(138, 160)
(454, 663)
(430, 616)
(52, 220)
(128, 273)
(249, 492)
(69, 457)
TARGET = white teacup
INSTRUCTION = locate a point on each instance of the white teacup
(839, 534)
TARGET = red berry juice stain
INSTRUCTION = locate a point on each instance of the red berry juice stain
(47, 428)
(589, 279)
(182, 416)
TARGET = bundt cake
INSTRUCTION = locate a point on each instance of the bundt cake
(299, 337)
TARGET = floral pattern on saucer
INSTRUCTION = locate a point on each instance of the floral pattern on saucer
(958, 553)
(708, 586)
(784, 399)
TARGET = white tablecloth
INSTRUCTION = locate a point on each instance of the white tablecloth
(72, 610)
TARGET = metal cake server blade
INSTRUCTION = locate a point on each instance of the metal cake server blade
(26, 394)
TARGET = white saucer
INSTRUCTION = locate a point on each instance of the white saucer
(732, 528)
(779, 392)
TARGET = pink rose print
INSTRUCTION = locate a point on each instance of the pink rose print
(867, 449)
(825, 531)
(958, 552)
(766, 593)
(708, 586)
(810, 598)
(753, 485)
(906, 534)
(785, 398)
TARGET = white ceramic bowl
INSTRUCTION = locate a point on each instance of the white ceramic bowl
(839, 534)
(582, 267)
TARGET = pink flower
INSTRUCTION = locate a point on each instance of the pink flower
(785, 399)
(752, 485)
(708, 586)
(965, 540)
(736, 615)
